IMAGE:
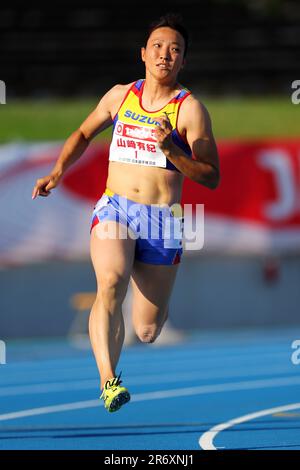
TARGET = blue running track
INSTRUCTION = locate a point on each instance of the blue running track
(215, 390)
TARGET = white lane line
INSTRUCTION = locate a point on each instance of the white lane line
(51, 387)
(218, 388)
(89, 384)
(158, 395)
(50, 409)
(206, 440)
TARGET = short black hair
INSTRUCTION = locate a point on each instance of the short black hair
(173, 21)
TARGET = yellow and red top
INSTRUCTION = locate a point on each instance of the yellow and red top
(134, 140)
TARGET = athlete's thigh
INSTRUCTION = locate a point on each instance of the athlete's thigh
(111, 254)
(151, 290)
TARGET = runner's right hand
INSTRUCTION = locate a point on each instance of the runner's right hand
(44, 185)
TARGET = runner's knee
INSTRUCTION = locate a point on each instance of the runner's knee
(113, 287)
(148, 333)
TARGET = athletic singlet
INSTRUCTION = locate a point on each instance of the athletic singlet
(134, 140)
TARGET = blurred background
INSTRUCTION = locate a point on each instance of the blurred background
(56, 64)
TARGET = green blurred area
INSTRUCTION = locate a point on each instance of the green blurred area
(231, 118)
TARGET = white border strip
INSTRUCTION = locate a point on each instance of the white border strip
(206, 440)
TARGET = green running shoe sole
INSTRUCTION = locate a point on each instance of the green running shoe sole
(119, 401)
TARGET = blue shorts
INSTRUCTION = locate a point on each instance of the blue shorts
(156, 229)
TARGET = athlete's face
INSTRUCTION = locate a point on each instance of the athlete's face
(163, 54)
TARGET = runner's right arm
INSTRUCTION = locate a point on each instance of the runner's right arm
(99, 119)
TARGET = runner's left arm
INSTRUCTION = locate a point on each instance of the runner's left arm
(203, 168)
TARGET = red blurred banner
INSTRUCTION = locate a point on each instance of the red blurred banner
(260, 183)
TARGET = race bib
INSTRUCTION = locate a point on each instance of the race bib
(136, 145)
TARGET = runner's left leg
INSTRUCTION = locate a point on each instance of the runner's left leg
(151, 286)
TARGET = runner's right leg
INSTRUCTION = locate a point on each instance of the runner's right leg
(112, 260)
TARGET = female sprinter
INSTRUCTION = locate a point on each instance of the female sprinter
(161, 133)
